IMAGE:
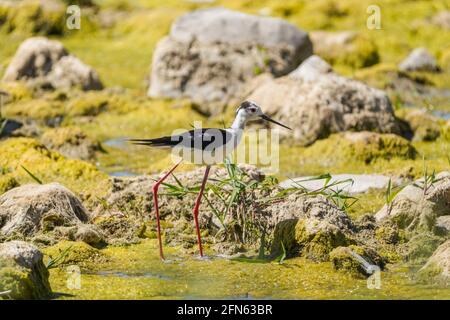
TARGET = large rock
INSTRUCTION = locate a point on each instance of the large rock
(311, 69)
(27, 210)
(418, 206)
(23, 274)
(46, 63)
(437, 268)
(332, 103)
(210, 53)
(309, 226)
(419, 60)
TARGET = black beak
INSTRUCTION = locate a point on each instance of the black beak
(273, 121)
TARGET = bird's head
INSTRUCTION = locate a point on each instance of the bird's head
(249, 110)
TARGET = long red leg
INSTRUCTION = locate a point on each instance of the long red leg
(155, 201)
(197, 205)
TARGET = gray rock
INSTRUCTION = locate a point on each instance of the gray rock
(419, 60)
(22, 272)
(311, 69)
(211, 53)
(354, 183)
(309, 226)
(437, 268)
(32, 208)
(70, 72)
(328, 105)
(44, 62)
(418, 205)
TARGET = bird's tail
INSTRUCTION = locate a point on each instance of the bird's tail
(164, 142)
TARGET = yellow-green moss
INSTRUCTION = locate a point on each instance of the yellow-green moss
(58, 137)
(38, 109)
(17, 91)
(49, 166)
(135, 272)
(75, 253)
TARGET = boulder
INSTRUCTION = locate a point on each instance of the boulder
(419, 60)
(309, 226)
(437, 268)
(31, 209)
(211, 53)
(345, 47)
(328, 105)
(23, 274)
(418, 205)
(46, 63)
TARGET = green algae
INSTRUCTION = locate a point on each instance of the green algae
(135, 272)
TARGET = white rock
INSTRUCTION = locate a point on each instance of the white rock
(419, 60)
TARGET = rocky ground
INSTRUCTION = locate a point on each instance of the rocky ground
(363, 184)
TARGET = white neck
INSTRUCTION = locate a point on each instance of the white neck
(239, 122)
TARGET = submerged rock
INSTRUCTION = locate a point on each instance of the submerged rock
(437, 268)
(419, 60)
(309, 226)
(23, 274)
(210, 54)
(331, 104)
(30, 209)
(46, 63)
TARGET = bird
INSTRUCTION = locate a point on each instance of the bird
(204, 146)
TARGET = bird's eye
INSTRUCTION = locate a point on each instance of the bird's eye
(252, 110)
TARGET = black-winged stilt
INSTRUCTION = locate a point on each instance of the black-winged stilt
(206, 147)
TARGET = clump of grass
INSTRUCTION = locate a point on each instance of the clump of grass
(59, 259)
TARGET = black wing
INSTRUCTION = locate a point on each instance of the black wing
(194, 139)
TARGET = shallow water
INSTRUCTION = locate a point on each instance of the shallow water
(135, 272)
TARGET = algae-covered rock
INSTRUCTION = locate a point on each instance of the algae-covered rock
(356, 260)
(345, 47)
(437, 268)
(71, 142)
(425, 126)
(310, 226)
(50, 166)
(29, 209)
(75, 253)
(420, 246)
(364, 147)
(23, 274)
(32, 16)
(46, 63)
(316, 109)
(211, 53)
